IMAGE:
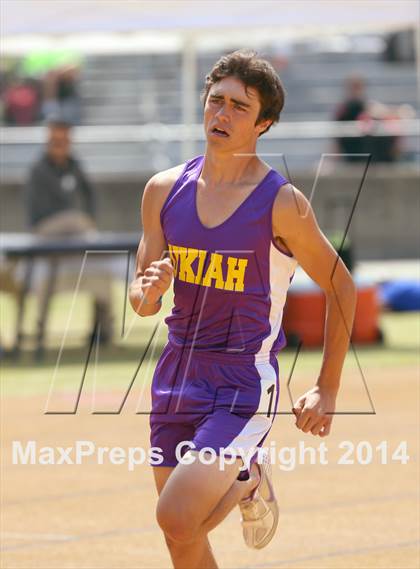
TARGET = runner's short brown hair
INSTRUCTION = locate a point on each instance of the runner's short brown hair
(255, 72)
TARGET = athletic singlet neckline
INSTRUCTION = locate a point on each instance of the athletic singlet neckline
(195, 187)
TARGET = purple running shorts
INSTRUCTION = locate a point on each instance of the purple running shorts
(212, 399)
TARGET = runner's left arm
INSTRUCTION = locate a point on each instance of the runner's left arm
(295, 226)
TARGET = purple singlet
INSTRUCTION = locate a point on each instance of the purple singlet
(231, 280)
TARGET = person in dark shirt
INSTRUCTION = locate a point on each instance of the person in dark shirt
(61, 96)
(353, 106)
(372, 115)
(59, 196)
(355, 100)
(60, 202)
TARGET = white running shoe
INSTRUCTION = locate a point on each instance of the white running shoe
(260, 512)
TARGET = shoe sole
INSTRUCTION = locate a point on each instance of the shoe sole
(270, 535)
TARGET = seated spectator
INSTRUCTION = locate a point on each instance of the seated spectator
(59, 196)
(379, 132)
(21, 102)
(60, 201)
(353, 106)
(355, 99)
(61, 97)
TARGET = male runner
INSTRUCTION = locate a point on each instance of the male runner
(235, 230)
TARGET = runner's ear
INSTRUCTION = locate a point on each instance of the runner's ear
(263, 126)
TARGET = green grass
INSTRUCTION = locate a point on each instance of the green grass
(117, 364)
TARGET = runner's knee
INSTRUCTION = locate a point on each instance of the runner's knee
(177, 527)
(178, 548)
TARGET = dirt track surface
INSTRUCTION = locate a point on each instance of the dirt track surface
(102, 516)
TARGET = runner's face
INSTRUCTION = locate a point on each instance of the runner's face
(230, 113)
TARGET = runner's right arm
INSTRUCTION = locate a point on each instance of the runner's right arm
(153, 274)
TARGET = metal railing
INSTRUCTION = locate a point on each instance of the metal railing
(102, 134)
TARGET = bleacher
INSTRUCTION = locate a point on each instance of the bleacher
(131, 89)
(139, 89)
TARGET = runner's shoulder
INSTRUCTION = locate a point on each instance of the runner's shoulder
(161, 183)
(290, 209)
(289, 200)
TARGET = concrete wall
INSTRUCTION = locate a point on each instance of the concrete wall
(385, 223)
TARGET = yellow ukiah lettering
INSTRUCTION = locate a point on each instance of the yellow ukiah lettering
(182, 259)
(187, 257)
(236, 272)
(214, 271)
(201, 258)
